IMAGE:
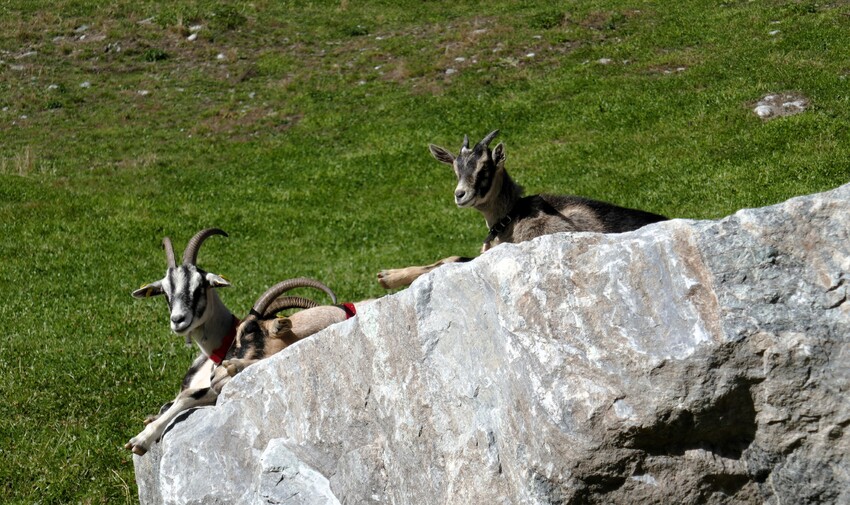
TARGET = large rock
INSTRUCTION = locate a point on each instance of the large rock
(687, 362)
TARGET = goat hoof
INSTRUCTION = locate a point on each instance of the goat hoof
(136, 449)
(383, 279)
(230, 368)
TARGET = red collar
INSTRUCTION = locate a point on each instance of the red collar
(349, 309)
(219, 354)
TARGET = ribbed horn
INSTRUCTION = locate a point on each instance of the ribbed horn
(282, 287)
(169, 252)
(490, 136)
(190, 255)
(289, 302)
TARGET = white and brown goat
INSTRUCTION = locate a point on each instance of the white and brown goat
(484, 184)
(198, 313)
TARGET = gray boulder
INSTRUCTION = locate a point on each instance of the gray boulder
(687, 362)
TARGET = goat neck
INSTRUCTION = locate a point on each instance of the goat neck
(501, 199)
(218, 322)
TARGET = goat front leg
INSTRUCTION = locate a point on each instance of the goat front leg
(187, 399)
(153, 417)
(194, 392)
(401, 277)
(200, 369)
(237, 365)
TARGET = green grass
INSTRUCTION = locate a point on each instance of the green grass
(307, 142)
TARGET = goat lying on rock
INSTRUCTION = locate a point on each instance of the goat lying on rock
(262, 329)
(197, 312)
(484, 184)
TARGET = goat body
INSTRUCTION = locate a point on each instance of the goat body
(275, 334)
(537, 215)
(485, 185)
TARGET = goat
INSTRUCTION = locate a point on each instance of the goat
(197, 312)
(484, 184)
(261, 326)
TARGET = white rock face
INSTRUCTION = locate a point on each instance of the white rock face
(282, 469)
(687, 362)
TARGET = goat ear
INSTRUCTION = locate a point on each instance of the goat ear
(278, 326)
(217, 281)
(148, 290)
(441, 154)
(499, 156)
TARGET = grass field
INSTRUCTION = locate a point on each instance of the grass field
(301, 128)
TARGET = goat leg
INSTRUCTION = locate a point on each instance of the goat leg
(187, 399)
(197, 394)
(153, 417)
(237, 365)
(402, 277)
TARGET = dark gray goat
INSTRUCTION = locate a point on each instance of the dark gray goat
(484, 184)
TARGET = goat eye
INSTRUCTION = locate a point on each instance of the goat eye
(249, 329)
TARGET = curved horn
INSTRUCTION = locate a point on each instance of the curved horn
(490, 136)
(169, 252)
(190, 255)
(289, 302)
(281, 287)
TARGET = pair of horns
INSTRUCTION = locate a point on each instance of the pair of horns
(190, 254)
(485, 142)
